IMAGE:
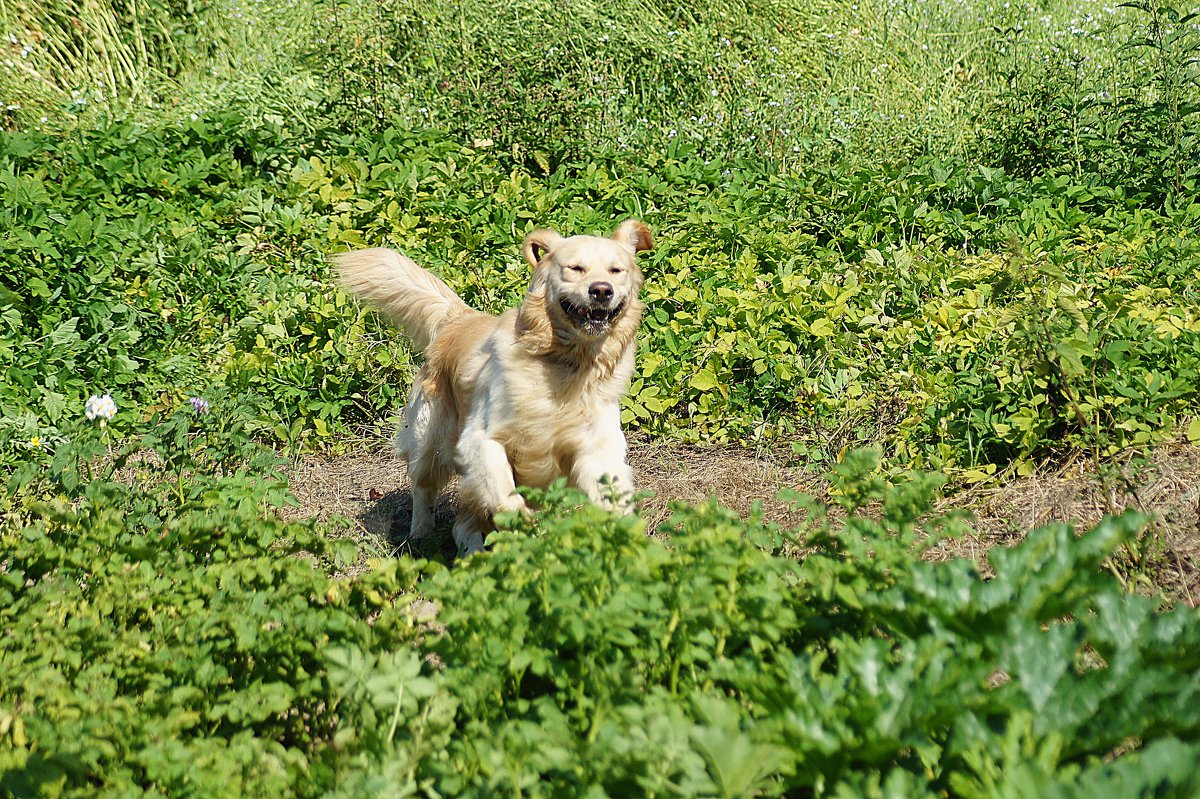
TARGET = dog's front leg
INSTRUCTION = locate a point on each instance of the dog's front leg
(601, 472)
(487, 487)
(608, 483)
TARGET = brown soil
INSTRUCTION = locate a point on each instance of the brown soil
(370, 487)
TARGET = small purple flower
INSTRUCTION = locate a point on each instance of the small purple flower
(199, 404)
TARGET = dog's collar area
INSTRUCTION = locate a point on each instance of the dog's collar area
(581, 314)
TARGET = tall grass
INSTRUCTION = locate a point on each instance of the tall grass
(78, 51)
(550, 79)
(73, 59)
(799, 82)
(781, 78)
(1030, 86)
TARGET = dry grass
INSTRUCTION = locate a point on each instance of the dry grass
(371, 488)
(1166, 485)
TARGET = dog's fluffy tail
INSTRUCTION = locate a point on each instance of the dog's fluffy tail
(415, 299)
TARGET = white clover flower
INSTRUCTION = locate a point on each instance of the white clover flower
(102, 408)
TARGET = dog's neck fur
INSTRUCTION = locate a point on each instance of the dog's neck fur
(538, 334)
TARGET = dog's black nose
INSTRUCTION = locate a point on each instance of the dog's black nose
(600, 292)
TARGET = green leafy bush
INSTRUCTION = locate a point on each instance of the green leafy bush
(827, 309)
(173, 636)
(591, 658)
(136, 262)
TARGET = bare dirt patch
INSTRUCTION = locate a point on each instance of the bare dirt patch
(370, 487)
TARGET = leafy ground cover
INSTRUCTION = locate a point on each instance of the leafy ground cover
(1015, 277)
(961, 234)
(176, 637)
(958, 316)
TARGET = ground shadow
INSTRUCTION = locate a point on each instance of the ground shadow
(389, 518)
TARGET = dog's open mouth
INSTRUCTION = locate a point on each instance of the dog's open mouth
(590, 319)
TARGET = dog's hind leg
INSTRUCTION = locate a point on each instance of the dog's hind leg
(422, 441)
(428, 477)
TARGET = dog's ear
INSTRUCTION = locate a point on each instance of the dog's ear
(538, 243)
(634, 235)
(537, 283)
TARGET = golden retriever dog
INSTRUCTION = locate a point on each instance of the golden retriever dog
(520, 399)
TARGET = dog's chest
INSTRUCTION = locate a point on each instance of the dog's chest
(551, 421)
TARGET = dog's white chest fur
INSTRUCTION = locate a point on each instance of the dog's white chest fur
(549, 416)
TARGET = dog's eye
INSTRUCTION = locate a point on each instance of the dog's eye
(616, 270)
(576, 268)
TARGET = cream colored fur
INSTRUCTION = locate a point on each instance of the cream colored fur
(523, 398)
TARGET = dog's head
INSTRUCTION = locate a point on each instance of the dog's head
(590, 283)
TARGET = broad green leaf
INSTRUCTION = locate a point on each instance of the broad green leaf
(704, 380)
(1193, 430)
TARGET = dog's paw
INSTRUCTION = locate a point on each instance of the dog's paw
(469, 544)
(419, 532)
(514, 503)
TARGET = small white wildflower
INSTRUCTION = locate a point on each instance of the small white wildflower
(102, 408)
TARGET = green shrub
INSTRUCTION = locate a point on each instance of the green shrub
(165, 629)
(151, 263)
(826, 309)
(592, 659)
(167, 632)
(1116, 99)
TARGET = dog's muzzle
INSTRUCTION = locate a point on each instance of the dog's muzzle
(591, 319)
